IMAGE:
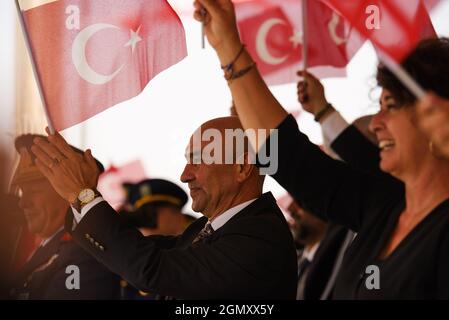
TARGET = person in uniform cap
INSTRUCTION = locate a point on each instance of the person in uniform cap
(154, 206)
(59, 268)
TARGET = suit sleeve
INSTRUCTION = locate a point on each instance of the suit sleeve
(200, 271)
(328, 187)
(355, 149)
(96, 282)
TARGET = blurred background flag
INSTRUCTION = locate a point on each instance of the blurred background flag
(394, 26)
(273, 33)
(92, 55)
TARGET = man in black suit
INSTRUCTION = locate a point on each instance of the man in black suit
(241, 249)
(59, 268)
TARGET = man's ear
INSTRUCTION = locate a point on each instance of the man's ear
(244, 167)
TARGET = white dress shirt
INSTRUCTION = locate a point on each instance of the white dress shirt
(217, 223)
(333, 126)
(220, 221)
(79, 215)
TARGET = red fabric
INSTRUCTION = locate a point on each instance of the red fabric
(402, 23)
(110, 182)
(75, 88)
(27, 244)
(268, 28)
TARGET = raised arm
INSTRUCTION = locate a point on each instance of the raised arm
(321, 184)
(256, 106)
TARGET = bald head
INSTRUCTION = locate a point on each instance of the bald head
(222, 141)
(220, 171)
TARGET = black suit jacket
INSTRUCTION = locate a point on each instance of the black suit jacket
(251, 257)
(355, 149)
(44, 276)
(322, 265)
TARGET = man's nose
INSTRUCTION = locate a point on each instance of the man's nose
(186, 175)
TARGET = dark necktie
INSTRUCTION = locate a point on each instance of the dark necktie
(204, 233)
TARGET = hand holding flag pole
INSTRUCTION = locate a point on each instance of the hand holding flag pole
(33, 65)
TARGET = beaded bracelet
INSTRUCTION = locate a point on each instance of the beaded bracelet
(239, 74)
(229, 68)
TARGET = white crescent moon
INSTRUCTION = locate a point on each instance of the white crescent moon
(79, 55)
(333, 24)
(261, 42)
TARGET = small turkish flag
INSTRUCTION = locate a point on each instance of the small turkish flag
(91, 55)
(270, 37)
(393, 26)
(273, 33)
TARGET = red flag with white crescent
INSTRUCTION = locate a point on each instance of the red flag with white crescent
(272, 31)
(91, 55)
(394, 26)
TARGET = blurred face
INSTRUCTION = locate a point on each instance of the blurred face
(43, 208)
(308, 228)
(403, 148)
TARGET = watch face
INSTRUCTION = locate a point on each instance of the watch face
(86, 196)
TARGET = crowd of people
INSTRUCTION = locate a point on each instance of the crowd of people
(370, 213)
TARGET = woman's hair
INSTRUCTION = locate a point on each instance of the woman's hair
(428, 64)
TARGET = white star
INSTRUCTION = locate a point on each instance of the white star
(135, 39)
(297, 38)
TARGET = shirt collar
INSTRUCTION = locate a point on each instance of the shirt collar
(310, 253)
(221, 220)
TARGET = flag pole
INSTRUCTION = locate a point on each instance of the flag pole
(33, 65)
(402, 75)
(203, 31)
(305, 37)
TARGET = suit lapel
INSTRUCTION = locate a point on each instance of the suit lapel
(265, 201)
(41, 256)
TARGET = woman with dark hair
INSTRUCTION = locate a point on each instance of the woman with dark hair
(402, 215)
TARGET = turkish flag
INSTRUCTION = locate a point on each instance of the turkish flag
(393, 26)
(91, 55)
(272, 31)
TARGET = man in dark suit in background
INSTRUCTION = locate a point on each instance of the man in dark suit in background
(353, 144)
(241, 249)
(59, 268)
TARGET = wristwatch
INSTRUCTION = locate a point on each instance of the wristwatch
(84, 197)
